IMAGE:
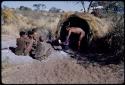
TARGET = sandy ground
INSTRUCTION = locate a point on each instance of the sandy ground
(58, 68)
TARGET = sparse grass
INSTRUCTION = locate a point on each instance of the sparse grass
(5, 62)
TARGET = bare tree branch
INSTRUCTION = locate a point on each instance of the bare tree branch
(89, 5)
(83, 5)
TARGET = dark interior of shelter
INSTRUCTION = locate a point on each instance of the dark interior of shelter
(75, 21)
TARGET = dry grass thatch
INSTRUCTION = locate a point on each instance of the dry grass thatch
(99, 27)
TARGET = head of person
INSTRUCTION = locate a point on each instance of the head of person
(34, 30)
(23, 34)
(35, 33)
(30, 34)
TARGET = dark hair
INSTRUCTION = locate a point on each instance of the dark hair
(22, 33)
(34, 30)
(30, 33)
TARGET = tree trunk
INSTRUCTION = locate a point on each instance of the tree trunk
(83, 5)
(89, 6)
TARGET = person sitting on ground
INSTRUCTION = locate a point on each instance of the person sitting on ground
(21, 44)
(29, 48)
(41, 49)
(36, 36)
(75, 30)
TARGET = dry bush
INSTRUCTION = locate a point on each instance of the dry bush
(118, 37)
(112, 45)
(26, 20)
(8, 16)
(10, 29)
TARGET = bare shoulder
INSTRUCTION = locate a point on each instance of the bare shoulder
(27, 40)
(18, 39)
(73, 28)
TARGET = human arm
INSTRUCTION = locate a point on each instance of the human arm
(17, 41)
(29, 45)
(69, 33)
(67, 38)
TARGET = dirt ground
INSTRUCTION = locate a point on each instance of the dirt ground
(60, 68)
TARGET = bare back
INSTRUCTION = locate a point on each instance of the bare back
(21, 44)
(77, 30)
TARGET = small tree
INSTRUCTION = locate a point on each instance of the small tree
(82, 2)
(54, 9)
(89, 6)
(37, 6)
(111, 6)
(43, 6)
(5, 7)
(24, 8)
